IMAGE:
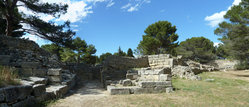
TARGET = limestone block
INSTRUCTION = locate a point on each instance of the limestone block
(131, 76)
(54, 72)
(38, 80)
(40, 72)
(169, 89)
(2, 96)
(30, 64)
(54, 79)
(164, 77)
(39, 89)
(17, 93)
(4, 59)
(118, 90)
(57, 91)
(152, 84)
(149, 78)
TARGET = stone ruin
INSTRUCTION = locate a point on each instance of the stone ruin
(148, 74)
(43, 76)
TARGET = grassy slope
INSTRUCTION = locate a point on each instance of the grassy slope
(222, 92)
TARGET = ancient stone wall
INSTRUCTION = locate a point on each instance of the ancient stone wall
(160, 61)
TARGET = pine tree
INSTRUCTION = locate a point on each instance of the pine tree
(46, 30)
(130, 53)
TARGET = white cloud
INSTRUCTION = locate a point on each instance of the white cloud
(110, 4)
(218, 17)
(134, 5)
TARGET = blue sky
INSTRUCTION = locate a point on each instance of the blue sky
(108, 24)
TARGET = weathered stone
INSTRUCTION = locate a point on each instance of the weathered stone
(169, 90)
(29, 102)
(39, 89)
(131, 76)
(5, 59)
(38, 80)
(17, 93)
(40, 72)
(54, 72)
(2, 95)
(118, 90)
(127, 82)
(164, 77)
(55, 79)
(26, 72)
(57, 90)
(152, 84)
(30, 64)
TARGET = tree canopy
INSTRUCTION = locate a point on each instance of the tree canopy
(130, 53)
(159, 37)
(197, 48)
(120, 52)
(235, 33)
(13, 20)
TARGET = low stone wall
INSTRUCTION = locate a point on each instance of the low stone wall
(224, 65)
(33, 91)
(160, 61)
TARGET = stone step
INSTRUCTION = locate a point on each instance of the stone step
(34, 80)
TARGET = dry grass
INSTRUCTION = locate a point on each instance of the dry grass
(8, 77)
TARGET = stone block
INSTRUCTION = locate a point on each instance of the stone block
(131, 76)
(38, 90)
(40, 72)
(54, 79)
(26, 72)
(54, 72)
(164, 77)
(143, 90)
(169, 89)
(29, 102)
(118, 90)
(38, 80)
(33, 65)
(152, 84)
(17, 93)
(127, 82)
(4, 59)
(2, 95)
(57, 91)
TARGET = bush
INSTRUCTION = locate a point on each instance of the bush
(8, 76)
(242, 66)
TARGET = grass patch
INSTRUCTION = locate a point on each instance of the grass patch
(8, 77)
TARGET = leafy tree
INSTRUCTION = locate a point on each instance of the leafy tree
(104, 56)
(161, 36)
(221, 52)
(53, 48)
(197, 48)
(80, 46)
(88, 57)
(46, 30)
(68, 55)
(130, 53)
(234, 33)
(120, 52)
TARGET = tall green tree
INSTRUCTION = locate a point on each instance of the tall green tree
(221, 51)
(46, 30)
(104, 56)
(197, 48)
(234, 33)
(130, 53)
(161, 36)
(120, 52)
(80, 46)
(54, 49)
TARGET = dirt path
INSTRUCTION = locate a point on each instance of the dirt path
(83, 97)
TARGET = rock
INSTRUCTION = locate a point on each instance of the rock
(39, 90)
(57, 90)
(26, 72)
(184, 72)
(38, 80)
(17, 93)
(169, 90)
(118, 90)
(5, 59)
(127, 82)
(2, 95)
(152, 84)
(54, 79)
(54, 72)
(164, 77)
(40, 72)
(30, 64)
(29, 102)
(209, 80)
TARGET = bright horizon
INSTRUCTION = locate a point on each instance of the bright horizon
(108, 24)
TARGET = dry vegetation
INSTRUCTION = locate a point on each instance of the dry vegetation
(8, 77)
(229, 89)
